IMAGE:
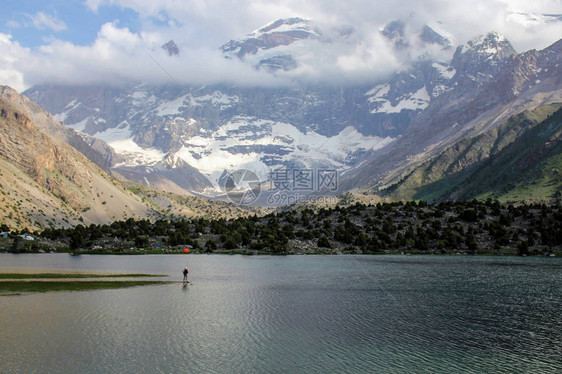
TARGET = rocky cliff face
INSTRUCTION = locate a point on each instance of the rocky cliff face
(94, 149)
(47, 182)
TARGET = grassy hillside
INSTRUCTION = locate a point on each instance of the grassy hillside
(517, 161)
(188, 206)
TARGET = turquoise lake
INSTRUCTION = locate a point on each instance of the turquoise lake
(291, 314)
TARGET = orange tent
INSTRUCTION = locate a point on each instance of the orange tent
(186, 250)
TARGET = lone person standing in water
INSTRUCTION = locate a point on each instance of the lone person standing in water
(185, 271)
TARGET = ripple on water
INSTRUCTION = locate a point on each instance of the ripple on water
(299, 315)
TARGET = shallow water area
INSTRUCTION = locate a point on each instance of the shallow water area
(298, 314)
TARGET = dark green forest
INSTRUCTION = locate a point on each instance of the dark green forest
(471, 227)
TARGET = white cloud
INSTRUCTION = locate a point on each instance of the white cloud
(200, 27)
(43, 21)
(535, 6)
(119, 55)
(10, 59)
(239, 16)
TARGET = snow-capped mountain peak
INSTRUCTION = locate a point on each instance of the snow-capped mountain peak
(275, 34)
(481, 58)
(492, 46)
(275, 46)
(285, 25)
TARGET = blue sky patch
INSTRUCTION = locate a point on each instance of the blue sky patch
(34, 22)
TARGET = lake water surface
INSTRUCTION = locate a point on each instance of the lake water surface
(294, 314)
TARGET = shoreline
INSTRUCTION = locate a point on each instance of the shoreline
(554, 253)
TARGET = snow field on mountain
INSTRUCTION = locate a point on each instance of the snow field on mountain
(262, 145)
(120, 139)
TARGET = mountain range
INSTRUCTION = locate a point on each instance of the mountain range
(437, 121)
(47, 182)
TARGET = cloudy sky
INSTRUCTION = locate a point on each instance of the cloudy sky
(89, 41)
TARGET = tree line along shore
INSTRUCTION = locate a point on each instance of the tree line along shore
(465, 227)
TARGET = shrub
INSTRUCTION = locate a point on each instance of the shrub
(323, 242)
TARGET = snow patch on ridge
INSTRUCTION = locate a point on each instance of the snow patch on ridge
(284, 25)
(172, 107)
(418, 100)
(120, 139)
(444, 70)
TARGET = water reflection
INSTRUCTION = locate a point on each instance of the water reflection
(307, 314)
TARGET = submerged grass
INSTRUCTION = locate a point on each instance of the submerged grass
(16, 287)
(71, 275)
(17, 283)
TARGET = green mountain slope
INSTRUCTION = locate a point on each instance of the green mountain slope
(520, 160)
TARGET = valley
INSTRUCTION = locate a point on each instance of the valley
(280, 187)
(474, 121)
